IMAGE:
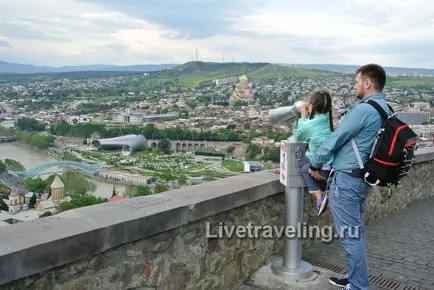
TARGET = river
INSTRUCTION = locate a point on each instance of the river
(31, 157)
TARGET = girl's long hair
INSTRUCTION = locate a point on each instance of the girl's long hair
(322, 103)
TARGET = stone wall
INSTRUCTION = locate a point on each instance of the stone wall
(182, 258)
(192, 146)
(160, 242)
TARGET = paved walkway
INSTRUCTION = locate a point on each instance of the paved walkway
(400, 247)
(400, 250)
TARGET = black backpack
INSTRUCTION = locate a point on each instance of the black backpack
(392, 154)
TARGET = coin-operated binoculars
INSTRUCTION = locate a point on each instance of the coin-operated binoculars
(286, 114)
(291, 160)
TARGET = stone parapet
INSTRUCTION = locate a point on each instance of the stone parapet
(160, 242)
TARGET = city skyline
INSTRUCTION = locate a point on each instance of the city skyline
(347, 32)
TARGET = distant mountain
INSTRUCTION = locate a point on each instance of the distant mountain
(352, 68)
(7, 67)
(199, 67)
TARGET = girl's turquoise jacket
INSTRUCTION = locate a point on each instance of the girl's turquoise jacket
(314, 131)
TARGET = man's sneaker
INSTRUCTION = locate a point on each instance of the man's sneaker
(340, 281)
(348, 287)
(323, 205)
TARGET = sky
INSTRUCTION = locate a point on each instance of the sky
(127, 32)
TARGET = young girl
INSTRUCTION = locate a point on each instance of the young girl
(314, 126)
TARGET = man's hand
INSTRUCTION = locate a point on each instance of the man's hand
(315, 174)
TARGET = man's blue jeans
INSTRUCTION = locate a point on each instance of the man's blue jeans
(347, 198)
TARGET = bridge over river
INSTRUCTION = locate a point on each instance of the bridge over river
(37, 171)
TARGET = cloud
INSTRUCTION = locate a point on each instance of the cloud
(189, 18)
(354, 32)
(25, 30)
(68, 32)
(4, 43)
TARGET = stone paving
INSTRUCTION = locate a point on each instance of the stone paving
(400, 246)
(400, 250)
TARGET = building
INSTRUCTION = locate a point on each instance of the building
(127, 143)
(252, 166)
(420, 106)
(28, 196)
(74, 120)
(413, 118)
(129, 118)
(117, 198)
(262, 141)
(423, 131)
(226, 81)
(46, 205)
(57, 190)
(243, 92)
(16, 201)
(160, 118)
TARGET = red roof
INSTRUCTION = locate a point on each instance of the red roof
(116, 198)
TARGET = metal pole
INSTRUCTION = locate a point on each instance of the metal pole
(293, 218)
(291, 266)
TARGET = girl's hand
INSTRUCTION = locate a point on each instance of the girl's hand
(304, 111)
(309, 108)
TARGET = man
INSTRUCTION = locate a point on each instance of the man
(348, 191)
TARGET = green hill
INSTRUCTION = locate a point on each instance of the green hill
(192, 74)
(199, 67)
(271, 71)
(412, 82)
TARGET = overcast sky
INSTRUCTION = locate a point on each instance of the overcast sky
(74, 32)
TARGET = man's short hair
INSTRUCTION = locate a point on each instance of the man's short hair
(375, 73)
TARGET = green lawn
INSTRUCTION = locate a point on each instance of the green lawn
(233, 165)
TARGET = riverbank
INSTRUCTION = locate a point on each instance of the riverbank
(31, 157)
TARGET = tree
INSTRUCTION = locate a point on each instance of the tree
(160, 188)
(164, 146)
(183, 114)
(182, 179)
(30, 124)
(252, 151)
(80, 201)
(32, 201)
(272, 154)
(36, 185)
(47, 213)
(191, 104)
(3, 205)
(76, 183)
(114, 191)
(142, 191)
(2, 166)
(14, 165)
